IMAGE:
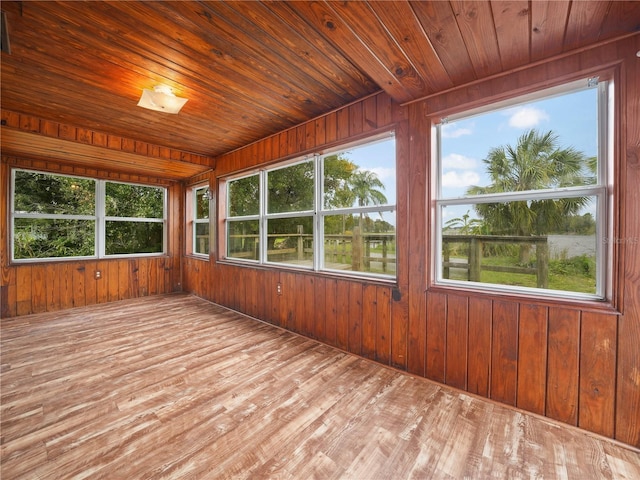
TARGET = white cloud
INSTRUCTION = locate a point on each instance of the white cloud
(450, 131)
(384, 173)
(527, 117)
(460, 179)
(456, 161)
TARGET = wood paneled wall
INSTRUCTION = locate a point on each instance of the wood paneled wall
(39, 287)
(574, 362)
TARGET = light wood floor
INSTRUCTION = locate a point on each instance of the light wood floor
(176, 387)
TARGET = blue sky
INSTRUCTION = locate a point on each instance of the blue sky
(466, 142)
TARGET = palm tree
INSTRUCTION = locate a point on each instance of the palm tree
(365, 190)
(536, 162)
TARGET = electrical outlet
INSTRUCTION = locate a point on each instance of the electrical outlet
(98, 274)
(279, 288)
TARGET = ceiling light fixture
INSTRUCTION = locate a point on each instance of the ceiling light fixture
(161, 99)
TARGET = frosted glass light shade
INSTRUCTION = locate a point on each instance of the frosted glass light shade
(161, 99)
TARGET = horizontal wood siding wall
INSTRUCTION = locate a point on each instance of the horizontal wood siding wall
(50, 286)
(569, 362)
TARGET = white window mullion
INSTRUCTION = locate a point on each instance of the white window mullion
(318, 234)
(100, 218)
(262, 222)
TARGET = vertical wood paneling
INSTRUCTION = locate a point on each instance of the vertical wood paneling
(562, 365)
(23, 290)
(123, 280)
(78, 285)
(38, 289)
(628, 372)
(597, 373)
(532, 358)
(504, 352)
(342, 314)
(355, 318)
(457, 341)
(399, 329)
(300, 314)
(369, 320)
(330, 312)
(320, 321)
(412, 210)
(52, 283)
(383, 325)
(479, 356)
(309, 315)
(112, 278)
(436, 336)
(90, 284)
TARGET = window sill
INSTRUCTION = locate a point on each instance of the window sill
(598, 306)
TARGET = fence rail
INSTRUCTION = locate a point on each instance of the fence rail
(353, 249)
(474, 265)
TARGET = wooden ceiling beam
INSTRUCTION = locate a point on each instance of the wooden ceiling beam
(26, 144)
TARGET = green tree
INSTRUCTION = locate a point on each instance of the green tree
(535, 162)
(365, 188)
(465, 225)
(43, 193)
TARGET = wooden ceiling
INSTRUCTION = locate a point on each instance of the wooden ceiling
(253, 68)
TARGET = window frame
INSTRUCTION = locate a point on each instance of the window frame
(601, 190)
(193, 220)
(318, 213)
(99, 217)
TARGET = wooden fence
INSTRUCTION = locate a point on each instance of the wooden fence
(474, 265)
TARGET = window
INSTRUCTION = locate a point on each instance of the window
(60, 216)
(134, 219)
(198, 208)
(522, 193)
(330, 212)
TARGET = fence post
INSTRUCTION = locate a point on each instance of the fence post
(356, 250)
(300, 242)
(475, 257)
(446, 258)
(542, 261)
(384, 254)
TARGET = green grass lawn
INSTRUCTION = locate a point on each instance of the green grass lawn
(575, 274)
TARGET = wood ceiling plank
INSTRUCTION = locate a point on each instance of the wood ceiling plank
(338, 67)
(511, 20)
(548, 20)
(585, 22)
(478, 31)
(321, 16)
(17, 142)
(401, 22)
(293, 50)
(622, 17)
(151, 51)
(439, 23)
(374, 39)
(251, 64)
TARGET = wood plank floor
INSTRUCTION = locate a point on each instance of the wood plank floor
(176, 387)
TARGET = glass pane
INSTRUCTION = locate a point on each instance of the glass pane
(543, 144)
(202, 203)
(244, 196)
(290, 240)
(361, 176)
(135, 201)
(54, 194)
(361, 243)
(47, 238)
(202, 238)
(133, 237)
(548, 244)
(243, 239)
(290, 189)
